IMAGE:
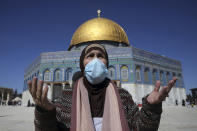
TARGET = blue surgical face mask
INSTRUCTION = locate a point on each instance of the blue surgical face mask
(95, 71)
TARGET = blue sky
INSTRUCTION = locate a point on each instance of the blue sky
(28, 28)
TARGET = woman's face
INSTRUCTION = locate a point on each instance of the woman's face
(94, 54)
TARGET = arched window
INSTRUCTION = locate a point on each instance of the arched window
(124, 73)
(161, 77)
(173, 74)
(146, 78)
(69, 74)
(111, 72)
(57, 75)
(47, 75)
(167, 77)
(154, 76)
(180, 80)
(137, 73)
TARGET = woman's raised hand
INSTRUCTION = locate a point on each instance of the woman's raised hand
(157, 96)
(39, 95)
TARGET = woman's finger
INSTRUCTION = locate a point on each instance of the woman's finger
(45, 102)
(157, 86)
(34, 87)
(39, 90)
(171, 84)
(175, 79)
(44, 95)
(163, 93)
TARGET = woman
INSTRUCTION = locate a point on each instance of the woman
(95, 103)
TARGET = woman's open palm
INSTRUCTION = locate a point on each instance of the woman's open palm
(39, 95)
(157, 96)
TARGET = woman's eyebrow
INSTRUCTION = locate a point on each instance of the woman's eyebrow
(89, 54)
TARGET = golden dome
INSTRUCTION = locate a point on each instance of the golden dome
(99, 29)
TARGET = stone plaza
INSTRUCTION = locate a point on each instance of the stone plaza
(174, 118)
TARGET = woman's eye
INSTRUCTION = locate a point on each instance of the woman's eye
(100, 56)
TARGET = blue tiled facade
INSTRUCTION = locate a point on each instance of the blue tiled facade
(125, 64)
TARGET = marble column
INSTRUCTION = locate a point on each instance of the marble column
(8, 98)
(118, 71)
(51, 91)
(1, 98)
(63, 74)
(63, 85)
(2, 95)
(51, 74)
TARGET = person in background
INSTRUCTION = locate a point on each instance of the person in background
(95, 103)
(183, 102)
(176, 102)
